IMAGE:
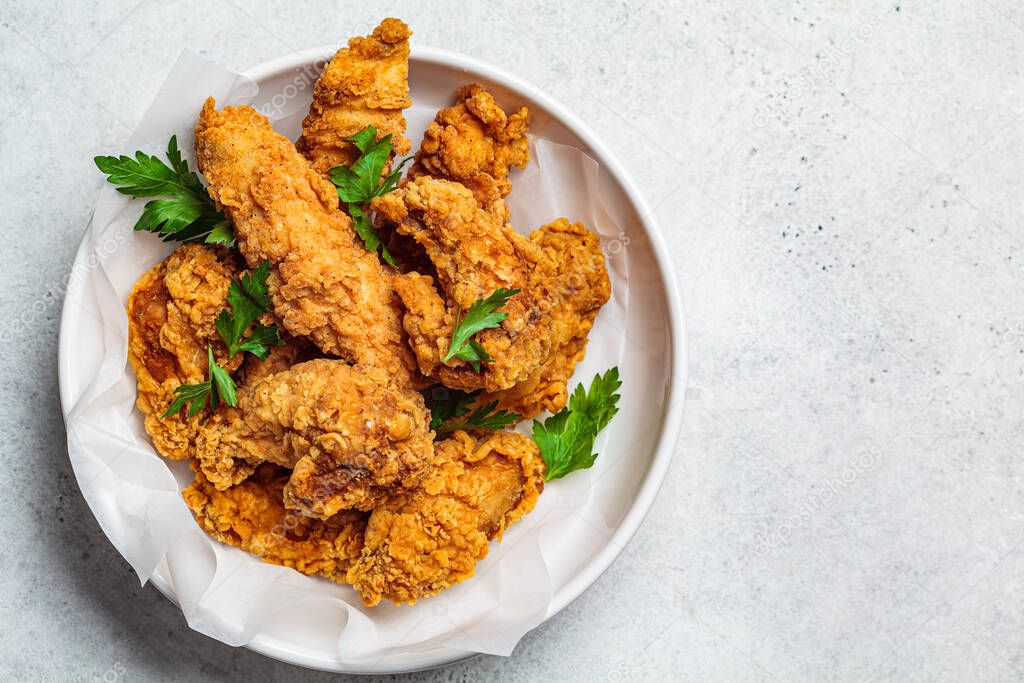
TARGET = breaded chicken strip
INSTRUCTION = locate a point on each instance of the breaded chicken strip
(560, 272)
(571, 271)
(324, 284)
(219, 454)
(474, 252)
(547, 387)
(350, 433)
(476, 144)
(253, 517)
(421, 542)
(365, 84)
(171, 313)
(473, 143)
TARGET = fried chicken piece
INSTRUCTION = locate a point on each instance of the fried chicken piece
(324, 284)
(253, 517)
(419, 543)
(171, 313)
(571, 270)
(352, 434)
(545, 389)
(560, 272)
(474, 252)
(219, 453)
(476, 144)
(365, 84)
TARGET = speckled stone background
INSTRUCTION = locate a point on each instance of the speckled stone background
(840, 187)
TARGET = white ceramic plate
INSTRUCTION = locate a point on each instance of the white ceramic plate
(654, 364)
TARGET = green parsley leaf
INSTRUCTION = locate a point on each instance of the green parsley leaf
(358, 184)
(361, 182)
(448, 405)
(186, 213)
(368, 234)
(486, 417)
(249, 298)
(220, 387)
(260, 340)
(566, 439)
(474, 354)
(482, 315)
(390, 181)
(222, 380)
(194, 395)
(220, 233)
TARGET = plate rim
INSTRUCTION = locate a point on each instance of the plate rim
(663, 450)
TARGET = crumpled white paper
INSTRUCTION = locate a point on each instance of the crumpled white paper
(229, 594)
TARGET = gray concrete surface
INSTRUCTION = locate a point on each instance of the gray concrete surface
(840, 187)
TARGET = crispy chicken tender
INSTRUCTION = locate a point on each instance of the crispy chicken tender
(473, 143)
(560, 272)
(324, 284)
(570, 275)
(476, 144)
(474, 252)
(547, 387)
(171, 313)
(219, 450)
(365, 84)
(252, 516)
(350, 433)
(421, 542)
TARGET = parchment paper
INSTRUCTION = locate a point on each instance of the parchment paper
(229, 594)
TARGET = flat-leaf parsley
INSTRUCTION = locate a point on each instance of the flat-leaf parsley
(185, 212)
(566, 439)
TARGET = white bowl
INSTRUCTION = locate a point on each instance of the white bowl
(655, 381)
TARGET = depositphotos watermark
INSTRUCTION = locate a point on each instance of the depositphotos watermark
(32, 312)
(816, 501)
(616, 244)
(301, 82)
(111, 675)
(623, 671)
(825, 64)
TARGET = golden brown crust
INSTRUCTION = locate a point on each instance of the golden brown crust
(571, 282)
(560, 272)
(324, 284)
(367, 436)
(420, 542)
(472, 143)
(546, 388)
(474, 252)
(314, 444)
(171, 313)
(351, 434)
(365, 84)
(476, 144)
(222, 451)
(252, 516)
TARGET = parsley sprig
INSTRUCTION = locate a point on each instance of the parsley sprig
(450, 410)
(482, 315)
(219, 387)
(248, 298)
(359, 183)
(184, 213)
(566, 439)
